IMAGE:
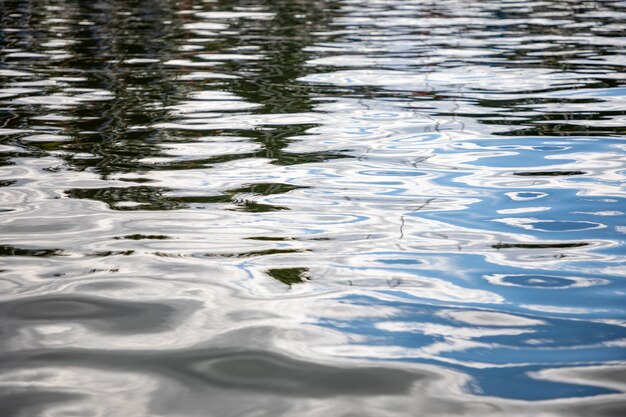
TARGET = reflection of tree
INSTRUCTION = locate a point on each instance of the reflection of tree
(156, 198)
(289, 276)
(116, 135)
(104, 35)
(272, 81)
(122, 48)
(282, 41)
(123, 31)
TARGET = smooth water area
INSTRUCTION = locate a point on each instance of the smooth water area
(312, 208)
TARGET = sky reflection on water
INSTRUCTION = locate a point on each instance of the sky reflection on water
(312, 208)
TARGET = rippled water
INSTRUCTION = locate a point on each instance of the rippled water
(312, 208)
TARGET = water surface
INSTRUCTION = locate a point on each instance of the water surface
(312, 208)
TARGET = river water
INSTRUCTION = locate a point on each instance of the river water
(312, 208)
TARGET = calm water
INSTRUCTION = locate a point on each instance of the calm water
(312, 208)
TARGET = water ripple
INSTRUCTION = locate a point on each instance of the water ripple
(312, 208)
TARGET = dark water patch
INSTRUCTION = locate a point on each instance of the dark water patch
(259, 253)
(269, 238)
(549, 173)
(111, 270)
(137, 180)
(243, 204)
(292, 158)
(265, 189)
(290, 276)
(539, 245)
(103, 314)
(8, 250)
(254, 207)
(139, 236)
(169, 255)
(130, 198)
(203, 199)
(104, 254)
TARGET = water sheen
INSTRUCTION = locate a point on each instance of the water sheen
(312, 208)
